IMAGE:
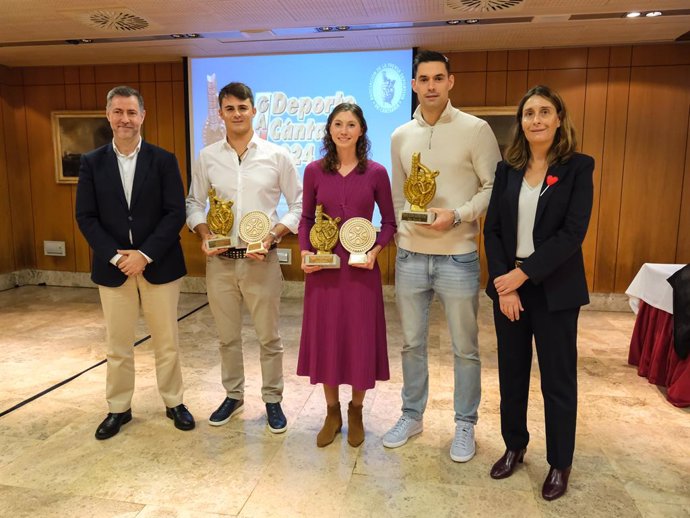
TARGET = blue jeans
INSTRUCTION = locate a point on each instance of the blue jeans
(455, 279)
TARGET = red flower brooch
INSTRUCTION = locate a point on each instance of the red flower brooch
(550, 180)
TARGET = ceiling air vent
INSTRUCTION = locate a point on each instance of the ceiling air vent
(121, 21)
(481, 5)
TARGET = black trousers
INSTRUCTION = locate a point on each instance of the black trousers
(555, 336)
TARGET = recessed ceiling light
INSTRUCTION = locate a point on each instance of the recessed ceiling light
(471, 21)
(325, 28)
(452, 22)
(343, 27)
(652, 14)
(633, 14)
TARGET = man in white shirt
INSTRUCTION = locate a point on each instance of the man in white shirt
(130, 208)
(252, 173)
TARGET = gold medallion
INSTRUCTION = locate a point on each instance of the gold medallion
(358, 235)
(254, 229)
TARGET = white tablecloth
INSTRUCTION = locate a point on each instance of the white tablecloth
(650, 285)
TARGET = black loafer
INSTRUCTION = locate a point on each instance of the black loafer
(505, 466)
(228, 408)
(111, 424)
(181, 416)
(556, 483)
(277, 422)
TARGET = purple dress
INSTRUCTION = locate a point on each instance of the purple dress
(344, 325)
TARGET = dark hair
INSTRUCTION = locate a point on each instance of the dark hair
(239, 90)
(564, 141)
(331, 162)
(427, 56)
(123, 91)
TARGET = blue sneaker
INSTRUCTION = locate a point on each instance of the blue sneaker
(228, 408)
(277, 422)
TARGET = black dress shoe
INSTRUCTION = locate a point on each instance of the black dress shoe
(111, 424)
(505, 466)
(228, 408)
(181, 416)
(556, 483)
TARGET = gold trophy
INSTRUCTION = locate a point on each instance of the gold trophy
(358, 235)
(323, 236)
(219, 220)
(419, 189)
(254, 229)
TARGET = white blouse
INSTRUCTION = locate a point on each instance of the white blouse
(527, 211)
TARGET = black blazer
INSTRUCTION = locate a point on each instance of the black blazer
(560, 225)
(155, 215)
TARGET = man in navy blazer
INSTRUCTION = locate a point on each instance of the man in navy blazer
(130, 207)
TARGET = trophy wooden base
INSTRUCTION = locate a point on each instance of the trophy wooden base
(256, 248)
(216, 242)
(322, 260)
(358, 259)
(422, 218)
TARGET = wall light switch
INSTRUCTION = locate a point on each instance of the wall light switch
(285, 255)
(55, 248)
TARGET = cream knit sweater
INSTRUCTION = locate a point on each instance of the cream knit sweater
(464, 149)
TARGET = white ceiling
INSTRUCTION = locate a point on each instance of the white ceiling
(33, 32)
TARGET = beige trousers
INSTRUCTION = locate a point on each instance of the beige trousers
(258, 284)
(121, 310)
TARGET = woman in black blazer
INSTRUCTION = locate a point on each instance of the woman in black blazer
(536, 222)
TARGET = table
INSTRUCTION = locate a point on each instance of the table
(651, 345)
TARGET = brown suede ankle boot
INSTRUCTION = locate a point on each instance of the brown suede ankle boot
(355, 427)
(331, 426)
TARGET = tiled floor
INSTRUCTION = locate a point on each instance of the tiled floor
(632, 456)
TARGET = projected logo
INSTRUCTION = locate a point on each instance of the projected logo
(387, 88)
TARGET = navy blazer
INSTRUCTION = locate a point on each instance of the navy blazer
(155, 216)
(560, 225)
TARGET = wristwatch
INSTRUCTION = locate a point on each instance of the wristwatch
(456, 217)
(274, 236)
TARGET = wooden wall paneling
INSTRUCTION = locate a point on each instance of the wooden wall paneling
(148, 91)
(611, 179)
(518, 59)
(44, 76)
(177, 71)
(496, 88)
(516, 86)
(654, 169)
(467, 62)
(19, 179)
(53, 211)
(598, 57)
(683, 239)
(6, 244)
(555, 59)
(621, 56)
(116, 75)
(163, 72)
(497, 60)
(89, 101)
(664, 54)
(592, 143)
(164, 116)
(469, 89)
(87, 74)
(147, 72)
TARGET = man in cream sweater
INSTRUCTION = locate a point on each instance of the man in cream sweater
(441, 258)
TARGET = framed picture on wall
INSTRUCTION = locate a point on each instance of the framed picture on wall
(75, 133)
(500, 118)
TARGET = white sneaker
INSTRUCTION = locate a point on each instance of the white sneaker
(405, 428)
(463, 447)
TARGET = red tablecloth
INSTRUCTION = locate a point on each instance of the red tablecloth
(651, 349)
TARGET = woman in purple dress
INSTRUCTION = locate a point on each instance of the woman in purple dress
(344, 327)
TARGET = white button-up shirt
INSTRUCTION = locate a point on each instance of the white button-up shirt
(255, 183)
